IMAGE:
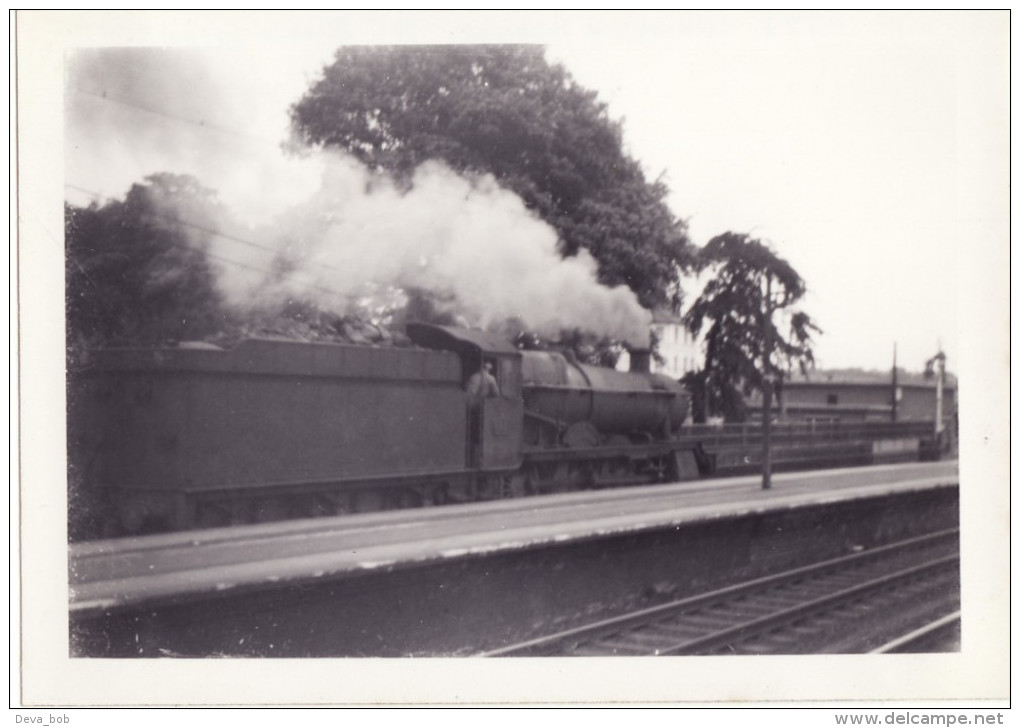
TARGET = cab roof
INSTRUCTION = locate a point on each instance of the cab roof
(460, 340)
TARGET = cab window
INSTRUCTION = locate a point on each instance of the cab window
(509, 377)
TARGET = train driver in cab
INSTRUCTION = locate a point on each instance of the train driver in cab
(480, 386)
(483, 384)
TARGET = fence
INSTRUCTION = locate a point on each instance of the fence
(718, 437)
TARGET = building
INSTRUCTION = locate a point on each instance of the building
(679, 352)
(863, 396)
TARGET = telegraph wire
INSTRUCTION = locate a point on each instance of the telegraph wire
(186, 223)
(221, 234)
(203, 125)
(104, 96)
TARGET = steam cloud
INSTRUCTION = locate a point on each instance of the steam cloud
(470, 242)
(133, 112)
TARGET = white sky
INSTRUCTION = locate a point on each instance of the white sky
(846, 140)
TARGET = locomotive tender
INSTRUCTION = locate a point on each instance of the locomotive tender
(182, 438)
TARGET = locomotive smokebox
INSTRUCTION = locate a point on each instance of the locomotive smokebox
(640, 361)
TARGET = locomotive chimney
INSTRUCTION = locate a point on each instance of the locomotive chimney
(641, 361)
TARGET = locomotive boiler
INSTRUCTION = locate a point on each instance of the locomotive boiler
(594, 402)
(193, 437)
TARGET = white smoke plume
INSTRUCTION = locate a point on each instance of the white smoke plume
(210, 114)
(470, 242)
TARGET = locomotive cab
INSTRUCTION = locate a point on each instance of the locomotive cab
(493, 439)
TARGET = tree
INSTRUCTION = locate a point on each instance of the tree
(506, 111)
(749, 285)
(137, 270)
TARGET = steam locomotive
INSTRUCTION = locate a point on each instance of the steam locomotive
(197, 437)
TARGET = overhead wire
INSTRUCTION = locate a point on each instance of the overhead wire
(104, 96)
(186, 223)
(219, 233)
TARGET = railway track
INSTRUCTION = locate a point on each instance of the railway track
(895, 598)
(940, 635)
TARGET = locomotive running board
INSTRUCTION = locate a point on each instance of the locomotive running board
(601, 453)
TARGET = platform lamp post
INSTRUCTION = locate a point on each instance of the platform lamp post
(895, 384)
(766, 407)
(937, 366)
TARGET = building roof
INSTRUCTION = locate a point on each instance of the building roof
(865, 376)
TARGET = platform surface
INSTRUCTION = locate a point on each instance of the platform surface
(122, 572)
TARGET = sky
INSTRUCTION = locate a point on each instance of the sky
(844, 140)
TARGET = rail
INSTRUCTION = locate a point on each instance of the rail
(932, 637)
(820, 603)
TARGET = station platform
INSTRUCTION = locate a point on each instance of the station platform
(734, 514)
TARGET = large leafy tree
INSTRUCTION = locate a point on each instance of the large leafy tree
(137, 270)
(752, 331)
(506, 111)
(137, 274)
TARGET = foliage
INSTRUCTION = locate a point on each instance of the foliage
(137, 270)
(749, 285)
(506, 111)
